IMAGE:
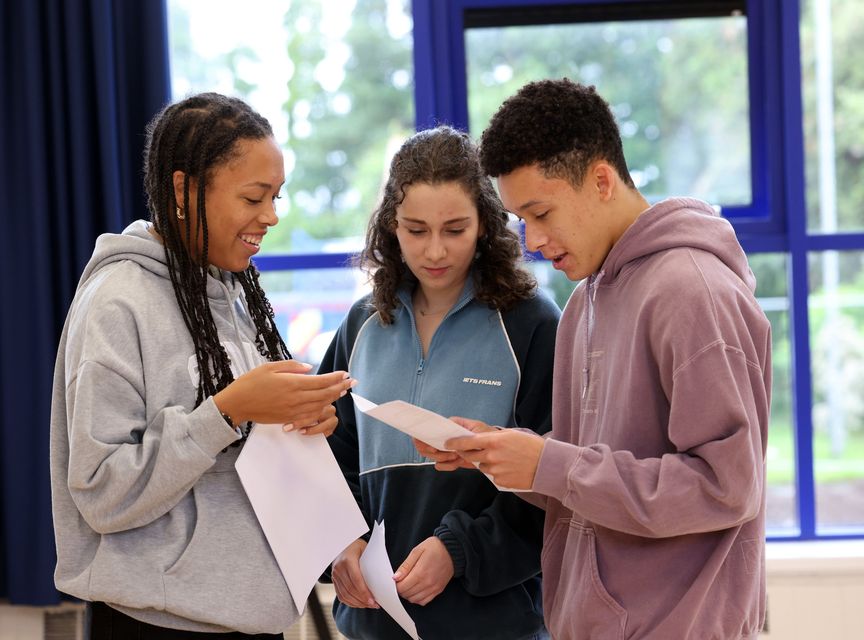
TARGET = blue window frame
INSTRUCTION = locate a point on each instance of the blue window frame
(776, 219)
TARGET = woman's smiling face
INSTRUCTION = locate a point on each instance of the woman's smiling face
(240, 203)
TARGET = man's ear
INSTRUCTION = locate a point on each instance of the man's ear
(605, 178)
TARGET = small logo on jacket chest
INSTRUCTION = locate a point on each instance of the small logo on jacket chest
(491, 383)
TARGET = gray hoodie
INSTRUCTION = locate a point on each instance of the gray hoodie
(149, 513)
(655, 470)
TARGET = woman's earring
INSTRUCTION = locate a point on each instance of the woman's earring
(180, 214)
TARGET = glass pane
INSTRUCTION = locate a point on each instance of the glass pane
(836, 312)
(678, 89)
(833, 95)
(309, 305)
(771, 291)
(335, 79)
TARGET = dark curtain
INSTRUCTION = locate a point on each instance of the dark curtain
(79, 79)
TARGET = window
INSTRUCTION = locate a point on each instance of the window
(837, 360)
(832, 90)
(677, 86)
(744, 104)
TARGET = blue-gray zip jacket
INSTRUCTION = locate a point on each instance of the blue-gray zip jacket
(482, 364)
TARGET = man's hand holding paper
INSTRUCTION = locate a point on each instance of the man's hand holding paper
(508, 457)
(474, 441)
(446, 459)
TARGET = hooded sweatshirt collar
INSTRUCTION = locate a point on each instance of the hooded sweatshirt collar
(675, 223)
(137, 244)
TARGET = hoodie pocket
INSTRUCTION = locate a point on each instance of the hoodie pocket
(227, 574)
(551, 567)
(581, 607)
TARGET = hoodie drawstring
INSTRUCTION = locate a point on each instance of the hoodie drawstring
(593, 282)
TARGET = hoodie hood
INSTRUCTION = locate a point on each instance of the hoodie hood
(674, 223)
(137, 244)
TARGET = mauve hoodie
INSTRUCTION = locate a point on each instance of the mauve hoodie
(655, 469)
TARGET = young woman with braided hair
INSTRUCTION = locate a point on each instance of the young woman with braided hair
(169, 354)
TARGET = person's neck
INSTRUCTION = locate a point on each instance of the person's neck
(436, 303)
(629, 206)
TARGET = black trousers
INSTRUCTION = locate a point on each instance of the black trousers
(106, 623)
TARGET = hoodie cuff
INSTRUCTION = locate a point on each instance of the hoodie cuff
(457, 554)
(553, 470)
(208, 428)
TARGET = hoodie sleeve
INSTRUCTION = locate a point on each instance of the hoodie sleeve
(500, 547)
(126, 471)
(714, 479)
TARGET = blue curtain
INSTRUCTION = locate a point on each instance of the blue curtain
(79, 79)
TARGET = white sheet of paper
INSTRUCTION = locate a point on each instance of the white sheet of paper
(301, 499)
(378, 574)
(427, 426)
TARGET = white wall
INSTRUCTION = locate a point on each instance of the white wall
(815, 591)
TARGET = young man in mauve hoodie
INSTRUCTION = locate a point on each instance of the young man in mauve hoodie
(653, 478)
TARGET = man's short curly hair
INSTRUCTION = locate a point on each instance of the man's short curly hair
(560, 125)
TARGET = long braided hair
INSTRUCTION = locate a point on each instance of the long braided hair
(196, 136)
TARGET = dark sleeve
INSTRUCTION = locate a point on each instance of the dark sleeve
(532, 333)
(343, 441)
(500, 548)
